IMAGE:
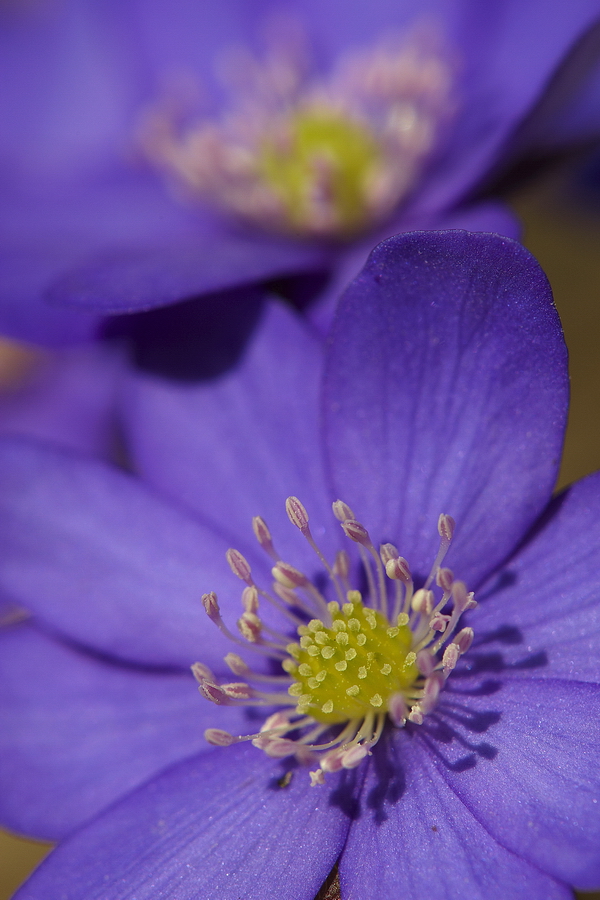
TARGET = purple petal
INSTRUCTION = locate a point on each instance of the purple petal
(93, 553)
(69, 82)
(68, 399)
(46, 233)
(416, 839)
(488, 216)
(533, 783)
(118, 242)
(446, 392)
(237, 447)
(509, 53)
(218, 825)
(131, 278)
(544, 605)
(570, 111)
(78, 732)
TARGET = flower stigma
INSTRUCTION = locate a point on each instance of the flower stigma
(324, 157)
(357, 661)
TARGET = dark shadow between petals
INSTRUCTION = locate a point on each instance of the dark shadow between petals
(196, 340)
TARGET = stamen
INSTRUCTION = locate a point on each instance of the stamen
(263, 536)
(352, 666)
(239, 566)
(446, 527)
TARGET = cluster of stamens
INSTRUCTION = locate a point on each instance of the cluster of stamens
(355, 663)
(307, 156)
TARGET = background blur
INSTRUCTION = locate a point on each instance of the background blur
(562, 229)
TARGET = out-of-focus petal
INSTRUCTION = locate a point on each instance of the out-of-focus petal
(416, 839)
(446, 392)
(70, 78)
(541, 611)
(67, 398)
(509, 51)
(137, 278)
(237, 447)
(218, 825)
(78, 732)
(100, 558)
(538, 759)
(119, 243)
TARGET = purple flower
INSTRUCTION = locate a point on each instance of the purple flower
(398, 115)
(442, 389)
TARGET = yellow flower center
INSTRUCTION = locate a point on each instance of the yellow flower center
(353, 667)
(324, 168)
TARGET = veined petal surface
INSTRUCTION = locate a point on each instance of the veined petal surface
(78, 731)
(216, 825)
(446, 392)
(101, 559)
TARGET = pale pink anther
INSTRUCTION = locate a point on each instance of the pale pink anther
(261, 741)
(211, 606)
(202, 673)
(277, 720)
(332, 761)
(214, 693)
(237, 664)
(439, 622)
(451, 655)
(288, 576)
(239, 565)
(342, 511)
(444, 579)
(397, 710)
(471, 601)
(422, 602)
(387, 552)
(285, 594)
(426, 662)
(398, 570)
(464, 639)
(297, 514)
(353, 757)
(341, 567)
(356, 532)
(250, 599)
(218, 738)
(304, 754)
(279, 748)
(250, 627)
(262, 534)
(446, 525)
(431, 691)
(238, 690)
(460, 597)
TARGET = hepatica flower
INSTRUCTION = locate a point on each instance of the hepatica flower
(411, 690)
(121, 194)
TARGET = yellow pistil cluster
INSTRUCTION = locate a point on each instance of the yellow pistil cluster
(326, 167)
(353, 667)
